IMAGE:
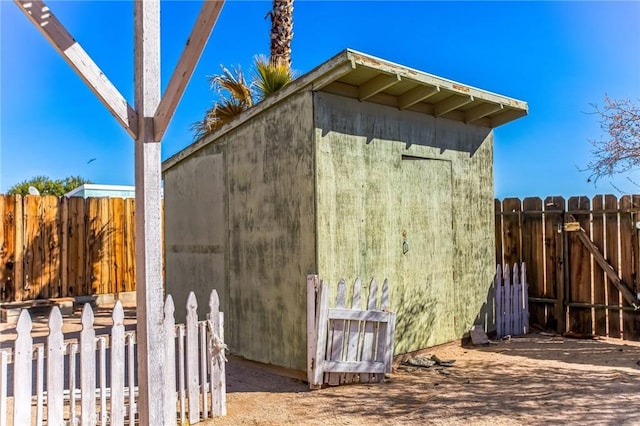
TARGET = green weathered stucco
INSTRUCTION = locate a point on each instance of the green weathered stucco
(385, 176)
(322, 183)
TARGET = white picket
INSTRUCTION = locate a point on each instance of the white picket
(4, 360)
(102, 347)
(88, 367)
(192, 359)
(312, 288)
(207, 344)
(55, 374)
(131, 382)
(508, 313)
(499, 302)
(321, 325)
(525, 298)
(216, 362)
(22, 370)
(517, 301)
(117, 365)
(383, 327)
(368, 348)
(354, 331)
(169, 325)
(73, 351)
(336, 342)
(39, 384)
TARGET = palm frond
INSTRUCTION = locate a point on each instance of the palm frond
(233, 81)
(270, 77)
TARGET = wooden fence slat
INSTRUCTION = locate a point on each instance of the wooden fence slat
(116, 210)
(599, 297)
(92, 258)
(336, 343)
(22, 376)
(18, 264)
(105, 284)
(73, 351)
(33, 248)
(202, 329)
(102, 347)
(169, 324)
(88, 367)
(64, 246)
(7, 250)
(383, 330)
(131, 379)
(612, 256)
(516, 298)
(526, 317)
(181, 380)
(627, 270)
(533, 253)
(117, 365)
(312, 286)
(508, 312)
(580, 268)
(511, 226)
(129, 275)
(498, 231)
(554, 262)
(76, 247)
(55, 374)
(192, 358)
(51, 280)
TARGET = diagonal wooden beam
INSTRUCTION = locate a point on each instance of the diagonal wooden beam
(188, 60)
(377, 85)
(416, 95)
(46, 22)
(451, 103)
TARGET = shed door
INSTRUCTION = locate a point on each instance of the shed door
(426, 223)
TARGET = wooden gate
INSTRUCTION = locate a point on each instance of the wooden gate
(348, 345)
(583, 260)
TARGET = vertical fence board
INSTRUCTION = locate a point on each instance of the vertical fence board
(22, 362)
(336, 343)
(354, 331)
(218, 368)
(612, 256)
(4, 360)
(129, 244)
(498, 231)
(627, 264)
(499, 302)
(7, 247)
(92, 262)
(312, 285)
(599, 297)
(73, 350)
(76, 247)
(33, 248)
(369, 330)
(105, 284)
(117, 244)
(580, 267)
(64, 246)
(51, 280)
(533, 254)
(55, 374)
(39, 385)
(131, 379)
(511, 226)
(18, 264)
(102, 347)
(554, 260)
(321, 324)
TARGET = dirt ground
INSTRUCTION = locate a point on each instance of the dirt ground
(537, 379)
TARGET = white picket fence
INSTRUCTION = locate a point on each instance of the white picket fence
(92, 380)
(512, 301)
(348, 344)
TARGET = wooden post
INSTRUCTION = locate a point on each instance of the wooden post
(149, 292)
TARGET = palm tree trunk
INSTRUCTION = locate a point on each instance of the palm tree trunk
(281, 32)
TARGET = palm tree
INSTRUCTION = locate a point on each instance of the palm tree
(281, 16)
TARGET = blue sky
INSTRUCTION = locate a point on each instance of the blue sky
(557, 56)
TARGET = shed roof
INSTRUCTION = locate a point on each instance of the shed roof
(367, 78)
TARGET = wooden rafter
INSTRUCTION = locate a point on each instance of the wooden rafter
(46, 22)
(451, 103)
(416, 95)
(377, 85)
(188, 60)
(481, 111)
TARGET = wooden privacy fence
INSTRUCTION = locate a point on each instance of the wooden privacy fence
(92, 380)
(512, 304)
(346, 343)
(65, 247)
(582, 257)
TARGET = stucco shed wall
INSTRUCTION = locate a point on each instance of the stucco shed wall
(240, 218)
(408, 197)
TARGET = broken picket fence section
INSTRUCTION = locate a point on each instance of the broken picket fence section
(512, 301)
(348, 344)
(92, 380)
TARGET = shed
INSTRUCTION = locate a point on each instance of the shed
(359, 168)
(93, 190)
